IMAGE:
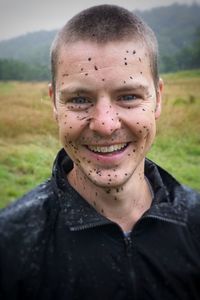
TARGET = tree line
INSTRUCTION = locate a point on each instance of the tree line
(187, 58)
(12, 69)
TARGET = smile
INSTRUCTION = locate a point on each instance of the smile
(107, 149)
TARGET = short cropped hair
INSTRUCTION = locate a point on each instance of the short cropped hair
(102, 24)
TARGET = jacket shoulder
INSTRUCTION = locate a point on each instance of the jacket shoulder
(27, 204)
(24, 227)
(22, 221)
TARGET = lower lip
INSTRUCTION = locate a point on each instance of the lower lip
(112, 157)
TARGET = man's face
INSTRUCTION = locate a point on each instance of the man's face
(106, 105)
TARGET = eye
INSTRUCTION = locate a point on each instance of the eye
(79, 100)
(128, 97)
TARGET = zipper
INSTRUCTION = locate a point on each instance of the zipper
(88, 226)
(169, 220)
(131, 272)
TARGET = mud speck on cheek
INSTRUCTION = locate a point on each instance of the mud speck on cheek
(96, 68)
(89, 58)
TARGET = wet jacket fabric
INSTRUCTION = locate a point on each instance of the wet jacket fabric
(55, 246)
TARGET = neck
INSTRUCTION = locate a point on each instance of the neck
(123, 204)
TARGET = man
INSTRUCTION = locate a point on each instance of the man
(109, 224)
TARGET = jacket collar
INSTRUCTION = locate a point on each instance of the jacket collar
(168, 203)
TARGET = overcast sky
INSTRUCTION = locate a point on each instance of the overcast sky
(21, 16)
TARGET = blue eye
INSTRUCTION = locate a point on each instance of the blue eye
(128, 97)
(80, 100)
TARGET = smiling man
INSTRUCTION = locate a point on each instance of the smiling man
(109, 224)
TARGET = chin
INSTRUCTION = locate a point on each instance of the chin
(104, 183)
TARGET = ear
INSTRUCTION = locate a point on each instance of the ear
(159, 92)
(53, 100)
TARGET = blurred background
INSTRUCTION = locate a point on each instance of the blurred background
(28, 133)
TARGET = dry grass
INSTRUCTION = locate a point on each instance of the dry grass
(25, 110)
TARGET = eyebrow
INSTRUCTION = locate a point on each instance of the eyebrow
(133, 87)
(84, 90)
(75, 90)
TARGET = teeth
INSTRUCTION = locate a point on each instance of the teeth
(107, 149)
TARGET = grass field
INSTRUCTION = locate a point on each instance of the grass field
(28, 134)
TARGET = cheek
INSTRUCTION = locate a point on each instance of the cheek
(71, 125)
(139, 121)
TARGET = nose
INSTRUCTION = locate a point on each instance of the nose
(105, 119)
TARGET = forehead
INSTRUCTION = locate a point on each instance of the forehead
(86, 55)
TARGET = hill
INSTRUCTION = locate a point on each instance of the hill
(177, 28)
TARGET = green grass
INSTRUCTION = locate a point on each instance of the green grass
(25, 165)
(29, 142)
(180, 157)
(182, 74)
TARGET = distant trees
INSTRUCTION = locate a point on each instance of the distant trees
(187, 58)
(11, 69)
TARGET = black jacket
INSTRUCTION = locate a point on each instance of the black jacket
(55, 246)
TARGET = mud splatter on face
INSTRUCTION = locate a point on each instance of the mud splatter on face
(134, 52)
(89, 58)
(96, 68)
